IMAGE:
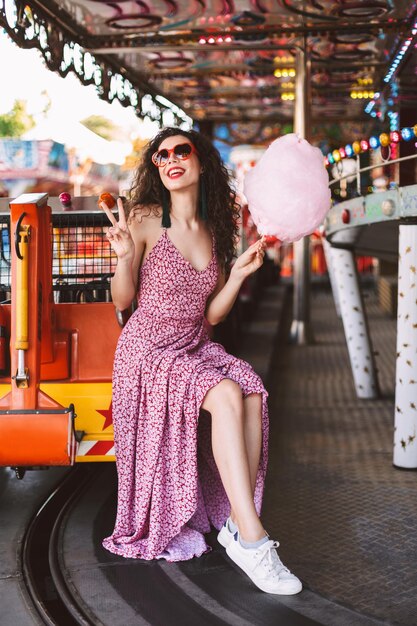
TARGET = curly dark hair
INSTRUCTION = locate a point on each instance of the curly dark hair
(223, 209)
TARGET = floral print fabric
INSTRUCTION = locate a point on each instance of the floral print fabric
(169, 489)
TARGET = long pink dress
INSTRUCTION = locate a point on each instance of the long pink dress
(169, 487)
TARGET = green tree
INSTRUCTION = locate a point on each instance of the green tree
(101, 126)
(17, 121)
(47, 102)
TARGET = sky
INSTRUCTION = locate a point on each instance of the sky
(23, 76)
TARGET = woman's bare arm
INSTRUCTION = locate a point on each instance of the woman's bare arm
(124, 284)
(225, 293)
(222, 299)
(128, 243)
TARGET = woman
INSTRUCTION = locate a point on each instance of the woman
(180, 471)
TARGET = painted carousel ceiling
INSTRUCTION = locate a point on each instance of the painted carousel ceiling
(229, 61)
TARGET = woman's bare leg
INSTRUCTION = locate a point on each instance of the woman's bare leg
(225, 403)
(252, 408)
(253, 432)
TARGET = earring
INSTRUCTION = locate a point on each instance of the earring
(203, 200)
(166, 220)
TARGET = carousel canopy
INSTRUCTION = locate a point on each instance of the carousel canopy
(229, 62)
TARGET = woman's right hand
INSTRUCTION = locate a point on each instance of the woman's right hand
(119, 234)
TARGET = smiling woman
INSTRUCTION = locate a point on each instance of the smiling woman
(175, 165)
(167, 369)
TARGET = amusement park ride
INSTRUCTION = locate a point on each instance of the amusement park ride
(55, 384)
(243, 72)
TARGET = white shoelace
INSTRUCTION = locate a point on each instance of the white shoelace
(269, 559)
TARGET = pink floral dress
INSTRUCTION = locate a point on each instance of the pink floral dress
(169, 488)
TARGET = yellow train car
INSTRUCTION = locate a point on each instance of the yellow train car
(58, 333)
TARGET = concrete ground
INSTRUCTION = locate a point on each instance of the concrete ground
(345, 518)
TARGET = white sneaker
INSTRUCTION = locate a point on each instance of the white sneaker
(264, 567)
(225, 536)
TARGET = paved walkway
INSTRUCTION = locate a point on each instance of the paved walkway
(346, 518)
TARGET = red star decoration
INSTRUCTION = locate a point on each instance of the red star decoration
(108, 415)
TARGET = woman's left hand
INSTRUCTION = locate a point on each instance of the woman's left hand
(250, 261)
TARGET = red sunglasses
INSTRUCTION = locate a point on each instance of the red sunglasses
(182, 151)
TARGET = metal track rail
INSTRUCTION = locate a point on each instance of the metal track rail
(42, 575)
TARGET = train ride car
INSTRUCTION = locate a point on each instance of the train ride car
(55, 380)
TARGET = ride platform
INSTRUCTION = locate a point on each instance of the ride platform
(344, 516)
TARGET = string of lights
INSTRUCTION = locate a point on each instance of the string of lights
(373, 143)
(400, 54)
(404, 47)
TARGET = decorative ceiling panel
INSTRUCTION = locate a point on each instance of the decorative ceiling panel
(224, 60)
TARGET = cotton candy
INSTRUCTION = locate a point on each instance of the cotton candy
(288, 189)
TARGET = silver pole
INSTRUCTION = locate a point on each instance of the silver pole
(332, 277)
(405, 430)
(358, 175)
(372, 167)
(301, 332)
(355, 323)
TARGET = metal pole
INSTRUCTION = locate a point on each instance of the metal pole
(372, 167)
(355, 323)
(330, 268)
(301, 332)
(405, 431)
(358, 174)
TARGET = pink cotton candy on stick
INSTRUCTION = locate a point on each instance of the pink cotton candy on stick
(288, 189)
